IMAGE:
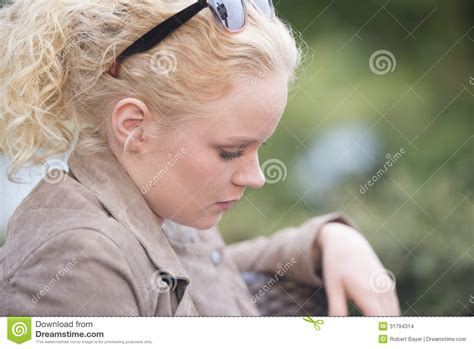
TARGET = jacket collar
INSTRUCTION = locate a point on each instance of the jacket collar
(108, 181)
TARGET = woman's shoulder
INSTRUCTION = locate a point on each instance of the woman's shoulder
(53, 199)
(62, 216)
(76, 271)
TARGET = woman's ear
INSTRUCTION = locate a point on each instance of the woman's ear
(128, 118)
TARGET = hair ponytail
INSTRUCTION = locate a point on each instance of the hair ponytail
(33, 105)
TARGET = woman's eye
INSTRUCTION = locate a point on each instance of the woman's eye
(229, 156)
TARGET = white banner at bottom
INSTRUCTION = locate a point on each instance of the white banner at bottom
(238, 332)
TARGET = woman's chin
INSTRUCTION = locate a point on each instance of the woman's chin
(201, 223)
(207, 223)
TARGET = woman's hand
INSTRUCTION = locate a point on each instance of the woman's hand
(352, 271)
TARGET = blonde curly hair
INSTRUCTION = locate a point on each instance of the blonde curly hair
(55, 93)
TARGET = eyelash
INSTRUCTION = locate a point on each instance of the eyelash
(229, 156)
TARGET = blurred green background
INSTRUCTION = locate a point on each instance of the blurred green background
(344, 123)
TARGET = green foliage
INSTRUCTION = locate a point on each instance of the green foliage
(419, 215)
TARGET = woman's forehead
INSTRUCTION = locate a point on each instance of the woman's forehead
(252, 106)
(235, 127)
(250, 113)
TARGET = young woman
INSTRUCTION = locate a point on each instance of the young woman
(163, 106)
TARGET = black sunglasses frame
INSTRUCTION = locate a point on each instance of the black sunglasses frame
(158, 33)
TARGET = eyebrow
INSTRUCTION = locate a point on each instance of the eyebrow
(242, 140)
(245, 141)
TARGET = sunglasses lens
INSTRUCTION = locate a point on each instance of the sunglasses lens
(265, 7)
(230, 13)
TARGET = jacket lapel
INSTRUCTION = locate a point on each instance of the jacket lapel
(108, 181)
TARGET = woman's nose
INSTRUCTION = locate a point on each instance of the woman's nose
(250, 175)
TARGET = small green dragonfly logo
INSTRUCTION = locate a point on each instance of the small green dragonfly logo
(316, 323)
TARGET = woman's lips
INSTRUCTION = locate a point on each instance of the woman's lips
(226, 205)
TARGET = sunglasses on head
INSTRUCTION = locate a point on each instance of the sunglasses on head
(231, 15)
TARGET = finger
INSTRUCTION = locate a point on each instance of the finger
(337, 299)
(369, 304)
(377, 304)
(393, 304)
(389, 303)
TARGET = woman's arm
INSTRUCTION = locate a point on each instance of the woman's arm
(352, 271)
(291, 252)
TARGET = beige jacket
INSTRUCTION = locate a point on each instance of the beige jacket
(90, 246)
